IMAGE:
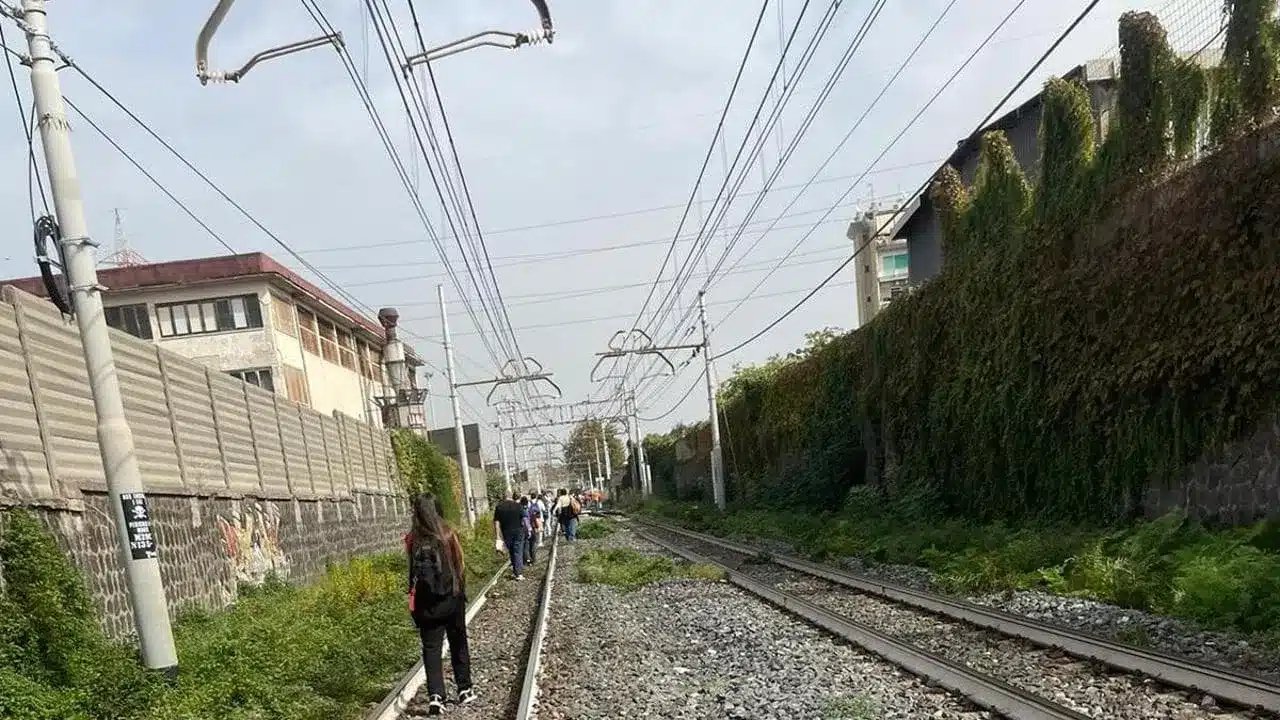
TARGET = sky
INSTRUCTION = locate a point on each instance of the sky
(580, 157)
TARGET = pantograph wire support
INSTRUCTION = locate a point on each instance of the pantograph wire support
(510, 375)
(205, 75)
(635, 342)
(546, 33)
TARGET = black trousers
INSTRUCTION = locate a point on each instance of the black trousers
(448, 620)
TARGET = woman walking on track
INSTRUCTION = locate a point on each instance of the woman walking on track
(438, 600)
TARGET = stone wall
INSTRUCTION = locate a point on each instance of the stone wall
(1236, 485)
(210, 545)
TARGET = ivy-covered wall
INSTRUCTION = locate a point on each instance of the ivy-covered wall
(1096, 330)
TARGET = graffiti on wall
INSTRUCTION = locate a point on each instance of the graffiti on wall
(252, 537)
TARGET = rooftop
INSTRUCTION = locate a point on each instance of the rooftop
(212, 269)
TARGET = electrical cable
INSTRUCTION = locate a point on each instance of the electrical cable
(1036, 66)
(622, 214)
(32, 168)
(147, 174)
(835, 151)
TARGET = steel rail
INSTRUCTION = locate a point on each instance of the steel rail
(983, 690)
(1242, 689)
(527, 707)
(396, 701)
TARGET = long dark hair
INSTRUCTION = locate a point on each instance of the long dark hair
(431, 529)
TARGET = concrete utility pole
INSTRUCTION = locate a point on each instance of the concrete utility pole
(506, 469)
(458, 436)
(717, 458)
(599, 466)
(127, 498)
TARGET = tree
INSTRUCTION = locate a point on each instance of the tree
(495, 485)
(582, 443)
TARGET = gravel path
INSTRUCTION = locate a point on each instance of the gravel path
(700, 649)
(1165, 634)
(1083, 686)
(499, 639)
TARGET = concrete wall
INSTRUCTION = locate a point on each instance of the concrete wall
(242, 482)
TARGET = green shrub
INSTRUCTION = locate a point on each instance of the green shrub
(594, 529)
(628, 569)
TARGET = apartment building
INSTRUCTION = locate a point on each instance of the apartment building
(251, 317)
(882, 269)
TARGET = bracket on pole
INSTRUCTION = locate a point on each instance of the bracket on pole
(205, 75)
(618, 347)
(490, 38)
(510, 375)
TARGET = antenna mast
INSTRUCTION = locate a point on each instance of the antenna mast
(121, 254)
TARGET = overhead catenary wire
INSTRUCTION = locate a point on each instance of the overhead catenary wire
(1036, 66)
(628, 213)
(924, 38)
(834, 77)
(851, 49)
(33, 169)
(824, 25)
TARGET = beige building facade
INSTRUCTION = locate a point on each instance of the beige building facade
(253, 318)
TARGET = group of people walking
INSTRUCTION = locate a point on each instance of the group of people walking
(437, 578)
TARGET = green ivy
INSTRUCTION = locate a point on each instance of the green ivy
(1247, 88)
(1190, 91)
(1023, 383)
(423, 468)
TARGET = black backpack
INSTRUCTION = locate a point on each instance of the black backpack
(431, 579)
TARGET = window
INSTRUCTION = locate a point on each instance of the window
(282, 316)
(347, 348)
(258, 377)
(895, 264)
(307, 332)
(328, 341)
(362, 352)
(241, 312)
(295, 385)
(132, 319)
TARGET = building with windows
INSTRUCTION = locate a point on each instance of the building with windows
(883, 267)
(256, 319)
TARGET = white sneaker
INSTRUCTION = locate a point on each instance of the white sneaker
(466, 697)
(435, 706)
(519, 577)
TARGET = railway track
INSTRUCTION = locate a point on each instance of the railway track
(1018, 667)
(504, 669)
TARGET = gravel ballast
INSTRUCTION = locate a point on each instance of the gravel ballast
(1082, 686)
(706, 649)
(499, 640)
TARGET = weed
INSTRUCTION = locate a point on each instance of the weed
(850, 708)
(595, 529)
(628, 569)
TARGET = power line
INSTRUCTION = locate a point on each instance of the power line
(609, 318)
(854, 45)
(545, 297)
(839, 146)
(1070, 28)
(628, 213)
(32, 168)
(147, 174)
(696, 381)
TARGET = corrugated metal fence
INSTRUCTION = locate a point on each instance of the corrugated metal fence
(198, 431)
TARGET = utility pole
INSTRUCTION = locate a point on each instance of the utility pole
(459, 437)
(127, 499)
(599, 466)
(717, 459)
(506, 469)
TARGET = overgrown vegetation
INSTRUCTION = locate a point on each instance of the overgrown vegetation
(625, 568)
(595, 529)
(1224, 580)
(423, 468)
(1091, 334)
(321, 652)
